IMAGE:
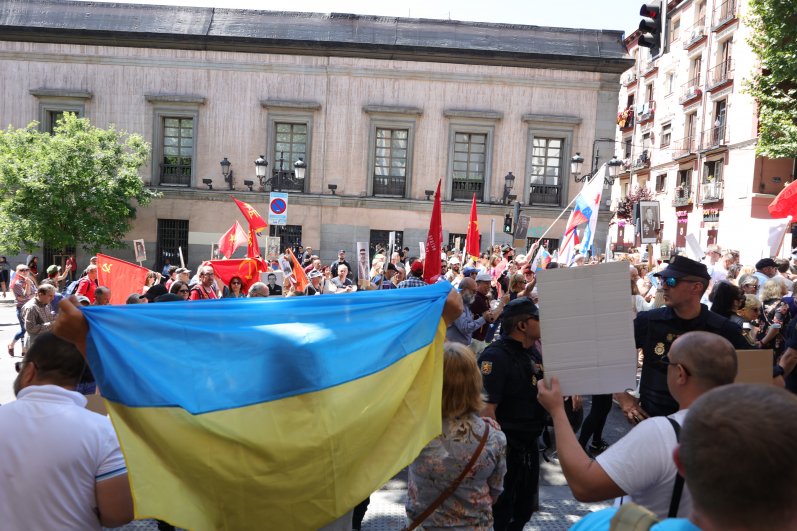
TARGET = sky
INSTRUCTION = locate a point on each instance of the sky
(620, 15)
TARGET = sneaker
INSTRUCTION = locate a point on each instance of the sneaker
(598, 447)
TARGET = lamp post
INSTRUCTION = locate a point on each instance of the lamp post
(613, 166)
(226, 172)
(509, 182)
(260, 170)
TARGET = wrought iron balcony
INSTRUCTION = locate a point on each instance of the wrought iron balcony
(720, 74)
(545, 194)
(629, 79)
(683, 196)
(643, 161)
(711, 192)
(690, 90)
(714, 137)
(684, 147)
(462, 189)
(725, 12)
(389, 185)
(175, 175)
(647, 113)
(695, 34)
(284, 181)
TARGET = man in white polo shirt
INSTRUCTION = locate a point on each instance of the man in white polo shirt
(61, 464)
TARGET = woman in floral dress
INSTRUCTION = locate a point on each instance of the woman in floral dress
(444, 458)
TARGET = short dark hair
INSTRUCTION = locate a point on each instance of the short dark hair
(508, 324)
(56, 360)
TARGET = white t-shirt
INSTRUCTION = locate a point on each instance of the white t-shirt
(52, 453)
(641, 464)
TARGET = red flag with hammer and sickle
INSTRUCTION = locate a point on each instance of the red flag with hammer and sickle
(256, 222)
(123, 278)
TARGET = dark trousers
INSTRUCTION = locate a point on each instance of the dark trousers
(359, 513)
(596, 420)
(19, 335)
(521, 496)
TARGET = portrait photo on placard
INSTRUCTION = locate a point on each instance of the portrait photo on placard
(649, 221)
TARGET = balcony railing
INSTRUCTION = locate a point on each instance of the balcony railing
(690, 90)
(714, 137)
(175, 175)
(643, 161)
(725, 12)
(629, 79)
(461, 189)
(646, 112)
(648, 68)
(711, 192)
(695, 34)
(720, 74)
(545, 194)
(389, 185)
(683, 196)
(683, 147)
(285, 181)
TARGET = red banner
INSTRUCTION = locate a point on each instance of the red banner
(472, 238)
(256, 222)
(300, 280)
(247, 269)
(122, 278)
(252, 249)
(434, 241)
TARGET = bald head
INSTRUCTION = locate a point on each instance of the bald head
(467, 283)
(709, 358)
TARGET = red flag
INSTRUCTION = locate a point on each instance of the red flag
(232, 239)
(252, 249)
(434, 241)
(123, 278)
(785, 204)
(255, 221)
(247, 269)
(472, 238)
(300, 280)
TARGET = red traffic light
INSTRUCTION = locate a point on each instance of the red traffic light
(651, 10)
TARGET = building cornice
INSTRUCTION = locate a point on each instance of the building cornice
(61, 93)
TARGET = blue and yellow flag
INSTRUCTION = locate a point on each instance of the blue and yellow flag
(269, 413)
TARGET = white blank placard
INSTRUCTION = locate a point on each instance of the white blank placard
(586, 322)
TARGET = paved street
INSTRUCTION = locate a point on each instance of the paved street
(386, 512)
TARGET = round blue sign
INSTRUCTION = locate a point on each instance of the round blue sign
(278, 206)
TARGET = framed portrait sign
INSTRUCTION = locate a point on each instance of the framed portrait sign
(140, 251)
(649, 221)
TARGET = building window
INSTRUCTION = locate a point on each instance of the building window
(177, 151)
(53, 103)
(290, 144)
(172, 238)
(546, 170)
(712, 171)
(452, 240)
(675, 29)
(381, 238)
(661, 183)
(666, 135)
(390, 161)
(627, 147)
(670, 83)
(289, 235)
(469, 166)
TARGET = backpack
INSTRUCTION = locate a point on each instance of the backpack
(71, 288)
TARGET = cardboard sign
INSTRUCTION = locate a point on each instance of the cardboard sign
(755, 366)
(586, 322)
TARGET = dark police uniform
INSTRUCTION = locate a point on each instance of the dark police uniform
(510, 375)
(654, 332)
(791, 342)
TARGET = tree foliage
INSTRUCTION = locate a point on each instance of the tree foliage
(78, 186)
(773, 39)
(625, 208)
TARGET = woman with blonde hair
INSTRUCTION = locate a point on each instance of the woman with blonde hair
(467, 439)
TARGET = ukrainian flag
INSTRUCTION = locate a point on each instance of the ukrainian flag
(269, 413)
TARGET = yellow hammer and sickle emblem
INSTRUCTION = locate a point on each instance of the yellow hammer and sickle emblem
(106, 268)
(249, 267)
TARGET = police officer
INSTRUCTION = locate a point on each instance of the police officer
(683, 283)
(511, 367)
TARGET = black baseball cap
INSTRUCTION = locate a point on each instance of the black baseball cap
(681, 266)
(520, 306)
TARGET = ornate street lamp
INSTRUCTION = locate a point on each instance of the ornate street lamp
(260, 171)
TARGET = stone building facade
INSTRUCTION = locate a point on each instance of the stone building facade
(380, 108)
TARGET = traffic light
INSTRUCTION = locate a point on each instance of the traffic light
(651, 27)
(508, 224)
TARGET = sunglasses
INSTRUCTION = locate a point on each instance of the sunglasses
(665, 360)
(671, 282)
(234, 282)
(183, 291)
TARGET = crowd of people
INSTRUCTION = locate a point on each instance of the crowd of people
(482, 472)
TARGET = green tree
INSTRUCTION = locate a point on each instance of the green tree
(78, 186)
(773, 38)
